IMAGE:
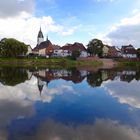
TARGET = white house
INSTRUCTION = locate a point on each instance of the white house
(129, 51)
(61, 53)
(29, 50)
(84, 54)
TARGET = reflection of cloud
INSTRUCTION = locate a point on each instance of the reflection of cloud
(101, 130)
(128, 93)
(27, 93)
(48, 94)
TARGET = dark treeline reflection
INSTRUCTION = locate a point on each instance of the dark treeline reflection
(94, 79)
(12, 76)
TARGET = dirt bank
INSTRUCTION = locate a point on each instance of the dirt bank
(108, 63)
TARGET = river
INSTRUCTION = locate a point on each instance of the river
(72, 104)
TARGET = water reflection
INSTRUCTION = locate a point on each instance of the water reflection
(100, 130)
(69, 104)
(13, 76)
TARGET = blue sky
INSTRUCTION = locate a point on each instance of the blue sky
(68, 21)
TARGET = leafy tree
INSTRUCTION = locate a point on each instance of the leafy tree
(12, 48)
(75, 54)
(138, 52)
(95, 47)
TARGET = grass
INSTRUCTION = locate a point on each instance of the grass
(128, 63)
(50, 62)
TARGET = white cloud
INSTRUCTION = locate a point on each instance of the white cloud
(124, 33)
(25, 27)
(129, 93)
(10, 8)
(102, 129)
(104, 0)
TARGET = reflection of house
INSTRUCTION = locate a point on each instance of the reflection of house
(128, 51)
(128, 75)
(49, 75)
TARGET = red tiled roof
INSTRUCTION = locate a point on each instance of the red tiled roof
(128, 49)
(74, 46)
(43, 45)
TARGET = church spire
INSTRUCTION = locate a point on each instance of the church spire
(40, 37)
(47, 38)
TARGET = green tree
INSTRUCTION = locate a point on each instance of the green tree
(75, 54)
(95, 47)
(12, 48)
(138, 52)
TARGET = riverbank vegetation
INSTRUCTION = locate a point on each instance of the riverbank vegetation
(49, 62)
(128, 62)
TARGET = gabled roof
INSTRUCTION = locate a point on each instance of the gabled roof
(43, 45)
(128, 49)
(75, 46)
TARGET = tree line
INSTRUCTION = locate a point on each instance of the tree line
(12, 48)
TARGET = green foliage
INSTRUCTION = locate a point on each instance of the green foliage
(75, 54)
(95, 47)
(12, 48)
(138, 52)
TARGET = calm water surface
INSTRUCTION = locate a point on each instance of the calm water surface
(45, 104)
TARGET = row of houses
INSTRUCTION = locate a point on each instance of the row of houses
(47, 49)
(126, 51)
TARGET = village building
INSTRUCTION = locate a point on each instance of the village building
(29, 50)
(105, 50)
(129, 51)
(113, 52)
(76, 46)
(43, 48)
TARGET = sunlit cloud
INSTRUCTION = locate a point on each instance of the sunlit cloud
(124, 33)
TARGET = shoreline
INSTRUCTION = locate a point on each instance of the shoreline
(91, 63)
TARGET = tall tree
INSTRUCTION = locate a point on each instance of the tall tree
(12, 48)
(95, 47)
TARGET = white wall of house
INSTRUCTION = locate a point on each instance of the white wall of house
(29, 50)
(42, 52)
(61, 53)
(84, 54)
(105, 50)
(129, 55)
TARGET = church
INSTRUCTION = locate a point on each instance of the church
(43, 48)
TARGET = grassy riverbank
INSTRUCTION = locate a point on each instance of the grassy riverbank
(50, 62)
(128, 63)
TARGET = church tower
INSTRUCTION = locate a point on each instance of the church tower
(40, 37)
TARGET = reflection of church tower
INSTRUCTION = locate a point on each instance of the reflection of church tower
(40, 37)
(40, 84)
